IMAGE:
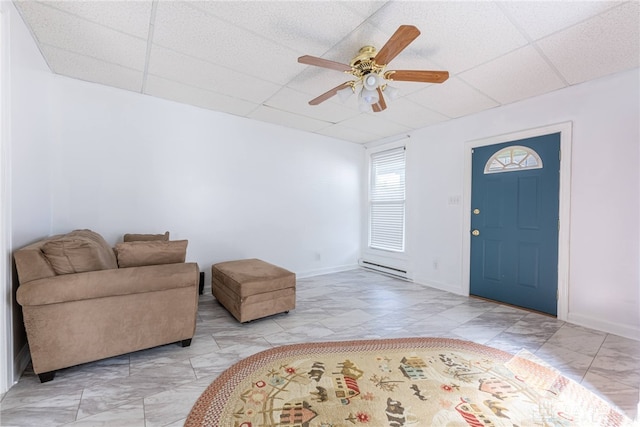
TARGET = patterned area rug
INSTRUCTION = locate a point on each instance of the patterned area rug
(397, 382)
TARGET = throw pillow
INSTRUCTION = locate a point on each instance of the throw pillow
(78, 252)
(136, 254)
(146, 237)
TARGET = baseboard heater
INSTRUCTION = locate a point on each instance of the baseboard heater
(393, 271)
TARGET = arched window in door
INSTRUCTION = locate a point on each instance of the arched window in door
(514, 158)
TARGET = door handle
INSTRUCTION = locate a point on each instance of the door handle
(476, 232)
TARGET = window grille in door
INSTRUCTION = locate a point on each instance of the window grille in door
(513, 158)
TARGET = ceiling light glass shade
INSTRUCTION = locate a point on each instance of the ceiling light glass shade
(371, 81)
(345, 93)
(391, 92)
(369, 97)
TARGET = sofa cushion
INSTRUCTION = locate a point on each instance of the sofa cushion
(78, 252)
(129, 237)
(135, 254)
(107, 283)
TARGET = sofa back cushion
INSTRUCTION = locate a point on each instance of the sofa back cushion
(129, 237)
(78, 252)
(31, 263)
(136, 254)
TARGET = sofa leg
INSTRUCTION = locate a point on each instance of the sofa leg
(185, 343)
(46, 376)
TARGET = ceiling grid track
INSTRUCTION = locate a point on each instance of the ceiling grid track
(152, 19)
(533, 44)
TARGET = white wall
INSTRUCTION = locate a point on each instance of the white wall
(605, 187)
(235, 188)
(30, 136)
(28, 214)
(30, 207)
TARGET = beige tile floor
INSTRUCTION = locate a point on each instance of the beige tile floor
(157, 387)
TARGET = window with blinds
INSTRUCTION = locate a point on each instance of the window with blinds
(386, 200)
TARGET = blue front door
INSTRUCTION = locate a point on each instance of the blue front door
(514, 222)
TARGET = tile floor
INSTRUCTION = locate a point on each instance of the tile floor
(157, 387)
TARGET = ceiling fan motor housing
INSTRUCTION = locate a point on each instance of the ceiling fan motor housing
(364, 63)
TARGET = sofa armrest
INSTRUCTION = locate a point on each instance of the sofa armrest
(104, 283)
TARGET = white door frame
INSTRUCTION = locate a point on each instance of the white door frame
(565, 130)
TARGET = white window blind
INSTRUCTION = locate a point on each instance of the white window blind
(386, 208)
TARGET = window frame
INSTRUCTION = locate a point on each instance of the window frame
(388, 199)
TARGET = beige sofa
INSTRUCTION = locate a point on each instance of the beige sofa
(83, 301)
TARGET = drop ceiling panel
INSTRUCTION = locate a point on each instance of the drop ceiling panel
(364, 9)
(601, 45)
(298, 103)
(541, 18)
(89, 69)
(407, 113)
(167, 89)
(181, 27)
(363, 35)
(501, 78)
(196, 72)
(456, 35)
(375, 124)
(453, 98)
(346, 133)
(69, 32)
(131, 17)
(292, 24)
(284, 118)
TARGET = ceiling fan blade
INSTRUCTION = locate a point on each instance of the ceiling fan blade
(417, 76)
(403, 36)
(325, 63)
(328, 94)
(381, 105)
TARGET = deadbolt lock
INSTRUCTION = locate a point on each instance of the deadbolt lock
(475, 232)
(476, 211)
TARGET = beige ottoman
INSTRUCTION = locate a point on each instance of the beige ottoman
(251, 288)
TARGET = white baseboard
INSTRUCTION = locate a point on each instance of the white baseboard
(20, 362)
(328, 270)
(625, 331)
(440, 286)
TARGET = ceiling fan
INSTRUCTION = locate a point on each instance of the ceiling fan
(369, 70)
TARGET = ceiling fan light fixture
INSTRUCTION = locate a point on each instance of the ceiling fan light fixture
(369, 97)
(364, 107)
(391, 92)
(371, 81)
